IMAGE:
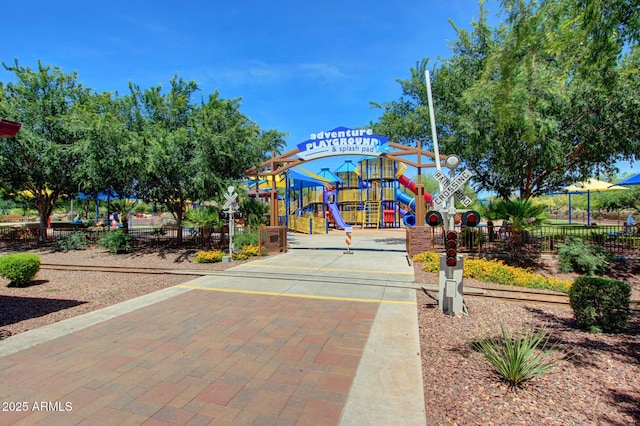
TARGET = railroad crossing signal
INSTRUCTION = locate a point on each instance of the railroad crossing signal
(452, 187)
(451, 247)
(230, 197)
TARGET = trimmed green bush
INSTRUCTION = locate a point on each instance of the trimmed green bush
(19, 268)
(601, 304)
(116, 241)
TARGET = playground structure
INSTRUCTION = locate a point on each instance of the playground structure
(344, 141)
(374, 192)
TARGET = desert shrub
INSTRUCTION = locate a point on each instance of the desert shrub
(116, 241)
(245, 238)
(496, 271)
(582, 258)
(517, 358)
(601, 304)
(73, 241)
(19, 268)
(211, 256)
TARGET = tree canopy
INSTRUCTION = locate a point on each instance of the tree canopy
(39, 162)
(163, 146)
(525, 105)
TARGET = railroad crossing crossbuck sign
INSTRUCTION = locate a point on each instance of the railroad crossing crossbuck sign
(230, 198)
(452, 187)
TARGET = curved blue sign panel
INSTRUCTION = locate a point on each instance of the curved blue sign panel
(343, 141)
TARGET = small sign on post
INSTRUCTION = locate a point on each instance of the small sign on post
(348, 230)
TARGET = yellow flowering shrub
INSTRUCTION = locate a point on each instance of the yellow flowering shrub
(254, 250)
(430, 259)
(496, 271)
(211, 256)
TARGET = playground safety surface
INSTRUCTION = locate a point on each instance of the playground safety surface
(312, 336)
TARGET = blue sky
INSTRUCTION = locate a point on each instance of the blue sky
(299, 66)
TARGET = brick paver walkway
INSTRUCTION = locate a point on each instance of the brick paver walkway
(203, 357)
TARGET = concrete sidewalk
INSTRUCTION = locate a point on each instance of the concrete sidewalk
(312, 336)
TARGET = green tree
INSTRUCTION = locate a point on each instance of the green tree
(111, 150)
(193, 150)
(205, 219)
(41, 159)
(522, 105)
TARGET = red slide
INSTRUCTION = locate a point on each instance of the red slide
(411, 185)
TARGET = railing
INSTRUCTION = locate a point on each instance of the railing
(308, 224)
(618, 240)
(149, 236)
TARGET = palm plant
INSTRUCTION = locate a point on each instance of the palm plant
(254, 212)
(123, 206)
(204, 219)
(523, 216)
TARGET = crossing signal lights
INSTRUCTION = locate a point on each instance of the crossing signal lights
(451, 248)
(433, 218)
(471, 218)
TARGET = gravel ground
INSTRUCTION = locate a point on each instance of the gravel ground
(596, 380)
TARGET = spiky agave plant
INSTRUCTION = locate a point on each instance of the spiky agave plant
(517, 357)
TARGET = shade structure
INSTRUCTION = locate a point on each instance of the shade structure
(302, 178)
(587, 187)
(266, 182)
(347, 167)
(9, 129)
(327, 174)
(633, 180)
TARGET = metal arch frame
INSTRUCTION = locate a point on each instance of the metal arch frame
(283, 162)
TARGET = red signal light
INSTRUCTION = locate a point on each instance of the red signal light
(451, 246)
(433, 218)
(471, 218)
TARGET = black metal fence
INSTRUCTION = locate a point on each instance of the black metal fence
(618, 240)
(141, 237)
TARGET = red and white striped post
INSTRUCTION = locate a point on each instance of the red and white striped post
(348, 230)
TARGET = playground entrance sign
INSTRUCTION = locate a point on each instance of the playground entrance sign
(343, 141)
(452, 187)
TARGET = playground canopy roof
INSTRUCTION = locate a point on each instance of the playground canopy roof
(302, 178)
(633, 180)
(347, 167)
(326, 173)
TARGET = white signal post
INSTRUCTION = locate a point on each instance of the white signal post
(229, 207)
(450, 288)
